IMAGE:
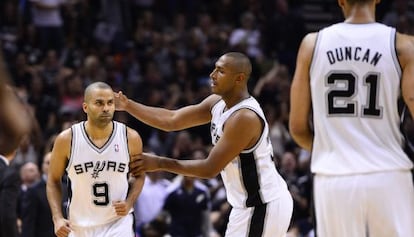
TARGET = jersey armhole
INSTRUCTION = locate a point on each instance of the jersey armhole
(393, 47)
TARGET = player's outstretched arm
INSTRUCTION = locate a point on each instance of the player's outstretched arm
(164, 119)
(58, 161)
(300, 98)
(242, 131)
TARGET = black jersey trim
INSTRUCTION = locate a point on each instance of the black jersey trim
(250, 178)
(92, 145)
(257, 221)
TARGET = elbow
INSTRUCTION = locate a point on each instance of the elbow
(299, 133)
(295, 130)
(210, 174)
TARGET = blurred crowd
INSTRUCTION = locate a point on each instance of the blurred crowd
(160, 53)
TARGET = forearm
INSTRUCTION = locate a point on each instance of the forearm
(153, 116)
(191, 168)
(136, 189)
(54, 197)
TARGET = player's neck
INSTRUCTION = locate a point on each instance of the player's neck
(232, 101)
(360, 15)
(98, 132)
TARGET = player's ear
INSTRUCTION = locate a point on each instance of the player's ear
(240, 77)
(84, 107)
(341, 3)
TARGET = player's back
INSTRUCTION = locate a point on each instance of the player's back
(355, 86)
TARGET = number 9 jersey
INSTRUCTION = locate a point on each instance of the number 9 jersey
(355, 85)
(97, 176)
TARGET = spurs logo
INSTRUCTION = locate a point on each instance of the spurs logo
(99, 166)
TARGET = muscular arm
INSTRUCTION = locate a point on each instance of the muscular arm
(405, 51)
(14, 118)
(170, 120)
(58, 162)
(135, 148)
(300, 97)
(241, 131)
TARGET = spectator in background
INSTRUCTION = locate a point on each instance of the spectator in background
(282, 34)
(401, 16)
(9, 29)
(26, 152)
(151, 200)
(52, 72)
(21, 72)
(247, 37)
(72, 97)
(35, 211)
(45, 107)
(29, 174)
(189, 209)
(93, 70)
(49, 24)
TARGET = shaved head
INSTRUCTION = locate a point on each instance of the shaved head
(93, 86)
(240, 63)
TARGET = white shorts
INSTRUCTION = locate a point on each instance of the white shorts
(123, 227)
(377, 204)
(269, 220)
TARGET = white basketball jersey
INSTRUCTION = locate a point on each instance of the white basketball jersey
(355, 85)
(250, 179)
(97, 176)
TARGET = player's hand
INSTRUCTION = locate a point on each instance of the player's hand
(121, 101)
(142, 163)
(121, 207)
(62, 227)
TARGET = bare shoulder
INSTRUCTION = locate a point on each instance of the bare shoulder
(309, 40)
(64, 137)
(245, 118)
(306, 48)
(62, 144)
(210, 101)
(133, 134)
(134, 141)
(405, 48)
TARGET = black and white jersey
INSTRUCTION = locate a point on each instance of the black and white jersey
(97, 176)
(355, 85)
(250, 179)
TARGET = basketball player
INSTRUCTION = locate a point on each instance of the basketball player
(349, 76)
(242, 152)
(95, 154)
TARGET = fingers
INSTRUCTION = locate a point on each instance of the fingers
(135, 167)
(121, 208)
(63, 230)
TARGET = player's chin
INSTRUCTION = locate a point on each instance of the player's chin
(214, 89)
(105, 119)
